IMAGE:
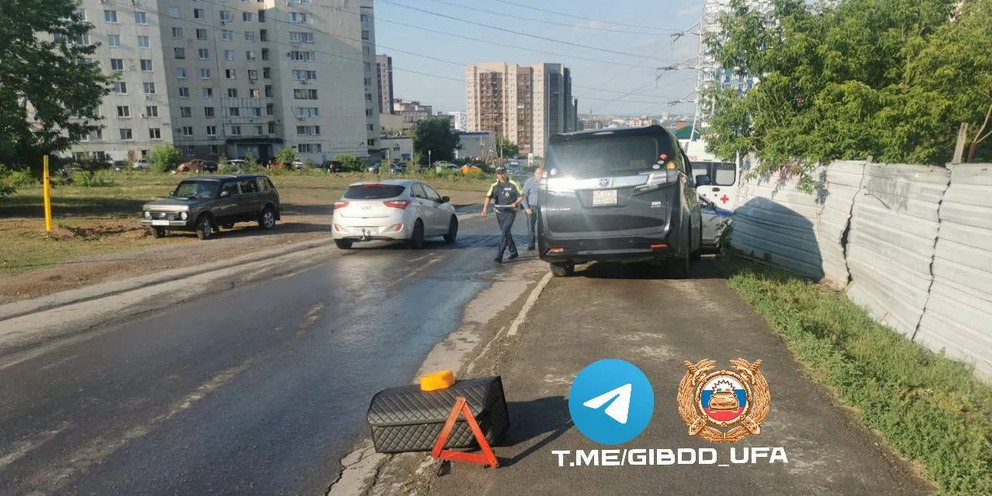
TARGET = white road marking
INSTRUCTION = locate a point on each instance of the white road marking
(21, 448)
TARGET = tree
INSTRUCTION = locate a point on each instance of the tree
(350, 163)
(286, 156)
(164, 158)
(506, 148)
(48, 93)
(889, 79)
(435, 135)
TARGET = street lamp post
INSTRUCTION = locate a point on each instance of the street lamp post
(429, 161)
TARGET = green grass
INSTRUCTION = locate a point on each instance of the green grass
(927, 407)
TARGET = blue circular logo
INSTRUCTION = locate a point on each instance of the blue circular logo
(611, 401)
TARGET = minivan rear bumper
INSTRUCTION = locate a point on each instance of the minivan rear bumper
(616, 247)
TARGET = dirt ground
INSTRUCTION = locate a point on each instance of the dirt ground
(88, 251)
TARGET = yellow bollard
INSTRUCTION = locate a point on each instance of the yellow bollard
(47, 191)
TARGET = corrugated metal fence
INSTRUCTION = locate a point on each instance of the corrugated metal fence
(911, 244)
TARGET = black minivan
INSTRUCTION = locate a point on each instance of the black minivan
(618, 195)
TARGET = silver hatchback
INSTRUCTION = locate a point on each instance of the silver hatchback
(396, 210)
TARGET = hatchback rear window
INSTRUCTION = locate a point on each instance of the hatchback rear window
(373, 191)
(607, 155)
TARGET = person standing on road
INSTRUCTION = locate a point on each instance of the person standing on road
(505, 196)
(531, 188)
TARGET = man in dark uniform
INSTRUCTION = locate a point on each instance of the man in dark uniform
(505, 194)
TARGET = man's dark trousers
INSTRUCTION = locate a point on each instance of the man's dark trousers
(532, 229)
(505, 219)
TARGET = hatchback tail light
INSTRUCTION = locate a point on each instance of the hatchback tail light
(400, 204)
(340, 204)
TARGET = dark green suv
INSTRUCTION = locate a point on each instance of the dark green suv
(205, 204)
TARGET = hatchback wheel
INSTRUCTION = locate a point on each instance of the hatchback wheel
(452, 231)
(417, 238)
(267, 219)
(204, 228)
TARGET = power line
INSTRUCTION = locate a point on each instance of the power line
(544, 21)
(585, 18)
(521, 33)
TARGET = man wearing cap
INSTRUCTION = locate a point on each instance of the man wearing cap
(505, 196)
(531, 188)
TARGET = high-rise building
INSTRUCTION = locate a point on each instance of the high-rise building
(384, 69)
(524, 104)
(232, 78)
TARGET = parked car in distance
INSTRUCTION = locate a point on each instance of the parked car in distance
(334, 166)
(397, 168)
(395, 210)
(197, 165)
(141, 164)
(621, 195)
(238, 164)
(715, 221)
(206, 204)
(441, 167)
(470, 168)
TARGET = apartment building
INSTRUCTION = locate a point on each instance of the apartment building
(384, 71)
(236, 77)
(525, 104)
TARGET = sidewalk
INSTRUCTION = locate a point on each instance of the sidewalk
(656, 324)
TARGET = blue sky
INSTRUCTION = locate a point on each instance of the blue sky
(616, 58)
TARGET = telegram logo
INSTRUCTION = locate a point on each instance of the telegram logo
(611, 401)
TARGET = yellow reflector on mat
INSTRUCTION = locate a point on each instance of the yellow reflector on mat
(437, 380)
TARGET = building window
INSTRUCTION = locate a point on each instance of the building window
(368, 112)
(255, 93)
(174, 12)
(255, 111)
(185, 111)
(214, 149)
(208, 112)
(146, 65)
(211, 130)
(151, 111)
(265, 54)
(263, 35)
(180, 53)
(305, 94)
(148, 88)
(258, 131)
(154, 133)
(140, 18)
(180, 73)
(299, 17)
(367, 51)
(114, 41)
(187, 130)
(233, 112)
(126, 134)
(232, 92)
(225, 15)
(249, 55)
(208, 92)
(368, 82)
(229, 55)
(253, 74)
(250, 36)
(300, 37)
(270, 109)
(309, 148)
(204, 53)
(301, 56)
(177, 33)
(110, 16)
(123, 111)
(227, 35)
(183, 92)
(368, 67)
(230, 74)
(365, 34)
(307, 112)
(235, 130)
(204, 73)
(117, 65)
(144, 42)
(96, 135)
(365, 19)
(201, 34)
(246, 16)
(268, 91)
(370, 142)
(266, 72)
(197, 13)
(368, 97)
(189, 150)
(301, 75)
(120, 87)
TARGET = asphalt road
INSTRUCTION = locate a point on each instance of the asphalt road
(254, 390)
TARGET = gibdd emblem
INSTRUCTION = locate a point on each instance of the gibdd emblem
(735, 400)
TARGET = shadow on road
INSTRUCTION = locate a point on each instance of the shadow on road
(544, 418)
(707, 268)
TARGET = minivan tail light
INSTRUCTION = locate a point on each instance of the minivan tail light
(657, 180)
(400, 204)
(340, 204)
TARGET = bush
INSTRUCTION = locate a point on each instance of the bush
(224, 166)
(351, 163)
(165, 158)
(90, 179)
(10, 180)
(286, 156)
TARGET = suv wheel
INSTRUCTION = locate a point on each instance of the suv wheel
(204, 227)
(158, 232)
(678, 267)
(452, 231)
(267, 219)
(344, 244)
(559, 269)
(417, 238)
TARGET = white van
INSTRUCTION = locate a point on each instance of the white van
(724, 176)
